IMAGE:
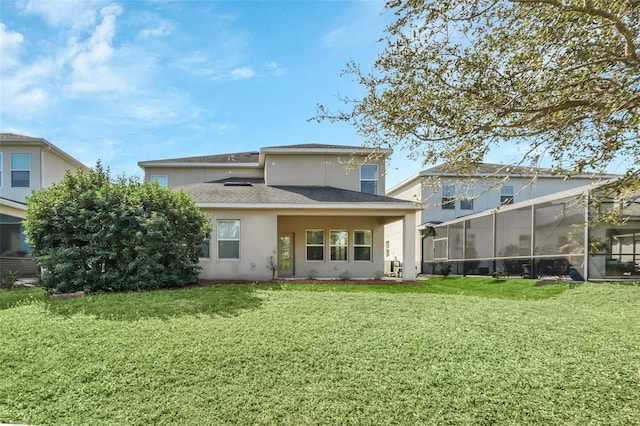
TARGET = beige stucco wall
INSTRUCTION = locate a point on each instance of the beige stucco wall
(54, 168)
(318, 169)
(187, 175)
(19, 194)
(259, 230)
(258, 240)
(46, 168)
(298, 225)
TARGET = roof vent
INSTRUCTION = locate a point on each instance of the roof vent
(237, 184)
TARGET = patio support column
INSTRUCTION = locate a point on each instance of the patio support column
(409, 247)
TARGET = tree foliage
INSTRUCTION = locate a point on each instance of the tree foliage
(89, 232)
(558, 79)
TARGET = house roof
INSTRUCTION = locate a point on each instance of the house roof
(487, 170)
(256, 158)
(254, 193)
(12, 138)
(315, 146)
(230, 158)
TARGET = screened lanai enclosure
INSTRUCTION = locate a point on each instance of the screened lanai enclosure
(553, 236)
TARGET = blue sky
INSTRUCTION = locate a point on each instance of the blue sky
(126, 81)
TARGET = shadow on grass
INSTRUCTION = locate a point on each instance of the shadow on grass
(223, 300)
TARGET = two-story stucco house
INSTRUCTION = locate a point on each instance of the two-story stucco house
(26, 164)
(444, 196)
(320, 210)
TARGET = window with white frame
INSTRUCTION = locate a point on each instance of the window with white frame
(20, 170)
(362, 241)
(506, 194)
(161, 180)
(387, 248)
(339, 245)
(369, 178)
(466, 203)
(315, 245)
(448, 197)
(228, 232)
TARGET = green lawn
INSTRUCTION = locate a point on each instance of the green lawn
(449, 351)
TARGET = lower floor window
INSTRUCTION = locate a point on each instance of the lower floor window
(203, 249)
(339, 243)
(362, 241)
(228, 239)
(315, 245)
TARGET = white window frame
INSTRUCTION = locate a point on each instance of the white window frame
(507, 192)
(346, 246)
(370, 231)
(155, 178)
(20, 170)
(307, 245)
(466, 202)
(376, 180)
(448, 197)
(218, 239)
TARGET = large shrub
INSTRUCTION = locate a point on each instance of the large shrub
(89, 232)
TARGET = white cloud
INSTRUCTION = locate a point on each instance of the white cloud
(242, 73)
(75, 14)
(276, 70)
(91, 66)
(160, 29)
(10, 45)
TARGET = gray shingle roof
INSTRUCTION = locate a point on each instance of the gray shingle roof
(486, 169)
(13, 136)
(256, 192)
(317, 146)
(237, 157)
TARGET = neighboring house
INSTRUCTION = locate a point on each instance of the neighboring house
(319, 210)
(446, 196)
(26, 164)
(550, 236)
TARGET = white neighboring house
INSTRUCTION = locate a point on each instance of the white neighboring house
(303, 204)
(487, 187)
(26, 164)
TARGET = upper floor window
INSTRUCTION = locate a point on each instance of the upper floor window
(0, 170)
(315, 245)
(228, 239)
(339, 244)
(369, 178)
(362, 240)
(448, 197)
(466, 203)
(162, 180)
(506, 194)
(20, 170)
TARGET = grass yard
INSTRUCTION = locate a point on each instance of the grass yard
(450, 351)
